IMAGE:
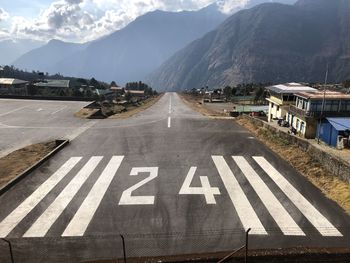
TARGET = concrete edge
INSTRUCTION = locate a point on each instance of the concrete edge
(18, 178)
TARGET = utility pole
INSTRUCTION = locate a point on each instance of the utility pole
(323, 104)
(246, 245)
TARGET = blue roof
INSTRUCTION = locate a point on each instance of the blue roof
(340, 124)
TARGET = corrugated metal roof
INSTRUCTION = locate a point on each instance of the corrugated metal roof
(53, 83)
(340, 124)
(9, 81)
(329, 95)
(290, 88)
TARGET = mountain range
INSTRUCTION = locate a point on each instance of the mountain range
(131, 53)
(271, 42)
(12, 49)
(127, 54)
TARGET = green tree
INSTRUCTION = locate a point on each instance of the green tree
(227, 92)
(128, 96)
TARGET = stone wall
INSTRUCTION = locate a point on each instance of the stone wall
(331, 163)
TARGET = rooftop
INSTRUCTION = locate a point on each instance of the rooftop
(340, 124)
(53, 83)
(9, 81)
(319, 95)
(135, 91)
(290, 88)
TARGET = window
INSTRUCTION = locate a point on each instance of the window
(302, 127)
(297, 126)
(272, 105)
(278, 108)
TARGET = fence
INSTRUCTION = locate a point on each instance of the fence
(203, 246)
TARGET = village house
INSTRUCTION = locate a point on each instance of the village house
(310, 108)
(281, 96)
(11, 86)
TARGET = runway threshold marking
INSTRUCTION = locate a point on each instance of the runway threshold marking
(17, 215)
(306, 208)
(57, 111)
(79, 223)
(169, 122)
(240, 201)
(48, 218)
(285, 222)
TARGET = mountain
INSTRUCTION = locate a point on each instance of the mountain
(13, 49)
(268, 43)
(128, 54)
(46, 57)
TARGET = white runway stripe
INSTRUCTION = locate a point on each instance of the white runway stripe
(82, 218)
(46, 220)
(275, 208)
(243, 208)
(17, 215)
(305, 207)
(169, 122)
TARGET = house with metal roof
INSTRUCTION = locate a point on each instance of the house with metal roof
(335, 132)
(312, 107)
(13, 86)
(281, 96)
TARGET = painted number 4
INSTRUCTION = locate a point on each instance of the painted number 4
(205, 189)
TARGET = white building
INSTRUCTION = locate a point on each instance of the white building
(281, 96)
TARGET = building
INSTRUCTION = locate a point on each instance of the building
(310, 107)
(281, 96)
(53, 86)
(10, 86)
(335, 132)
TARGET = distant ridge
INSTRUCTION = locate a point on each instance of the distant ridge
(268, 43)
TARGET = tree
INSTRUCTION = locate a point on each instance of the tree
(95, 83)
(128, 96)
(113, 84)
(227, 92)
(346, 83)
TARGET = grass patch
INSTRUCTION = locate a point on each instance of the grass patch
(18, 161)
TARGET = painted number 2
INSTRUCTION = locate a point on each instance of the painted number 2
(127, 199)
(205, 189)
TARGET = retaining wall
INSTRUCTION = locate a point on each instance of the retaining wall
(331, 163)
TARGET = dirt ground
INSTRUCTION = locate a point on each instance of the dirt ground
(85, 113)
(196, 104)
(132, 110)
(333, 187)
(288, 255)
(18, 161)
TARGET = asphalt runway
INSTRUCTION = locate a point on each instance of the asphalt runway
(24, 122)
(172, 182)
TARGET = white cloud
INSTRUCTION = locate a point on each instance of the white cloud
(85, 20)
(3, 15)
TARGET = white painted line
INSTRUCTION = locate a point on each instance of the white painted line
(40, 109)
(169, 122)
(275, 208)
(170, 106)
(305, 207)
(46, 220)
(241, 203)
(77, 132)
(6, 113)
(17, 215)
(57, 111)
(86, 211)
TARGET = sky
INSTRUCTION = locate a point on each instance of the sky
(85, 20)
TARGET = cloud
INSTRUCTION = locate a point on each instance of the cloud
(3, 15)
(85, 20)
